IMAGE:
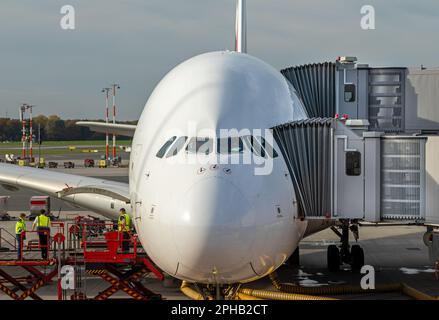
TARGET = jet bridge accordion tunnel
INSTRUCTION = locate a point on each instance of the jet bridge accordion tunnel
(341, 170)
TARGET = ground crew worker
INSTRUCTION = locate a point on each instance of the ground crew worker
(20, 233)
(42, 222)
(124, 227)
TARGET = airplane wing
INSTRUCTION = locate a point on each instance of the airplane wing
(119, 129)
(98, 195)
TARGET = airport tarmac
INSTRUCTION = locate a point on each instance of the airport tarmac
(397, 254)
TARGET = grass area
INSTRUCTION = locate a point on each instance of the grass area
(59, 151)
(62, 147)
(17, 144)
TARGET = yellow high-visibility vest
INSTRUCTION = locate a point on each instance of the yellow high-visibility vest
(124, 222)
(20, 226)
(43, 221)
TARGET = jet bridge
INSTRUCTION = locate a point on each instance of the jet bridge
(341, 170)
(393, 99)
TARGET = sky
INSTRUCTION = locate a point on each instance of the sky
(136, 42)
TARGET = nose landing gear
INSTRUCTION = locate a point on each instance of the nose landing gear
(352, 255)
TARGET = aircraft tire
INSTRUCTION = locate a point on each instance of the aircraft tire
(333, 255)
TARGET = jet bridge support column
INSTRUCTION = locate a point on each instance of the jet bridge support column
(345, 253)
(344, 247)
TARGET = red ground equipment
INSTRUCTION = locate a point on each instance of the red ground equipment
(91, 248)
(89, 163)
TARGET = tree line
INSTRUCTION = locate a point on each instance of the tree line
(51, 128)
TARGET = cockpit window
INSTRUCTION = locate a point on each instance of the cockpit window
(165, 147)
(268, 148)
(176, 147)
(261, 150)
(200, 145)
(231, 145)
(253, 145)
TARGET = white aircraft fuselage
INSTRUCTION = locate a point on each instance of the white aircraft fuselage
(209, 222)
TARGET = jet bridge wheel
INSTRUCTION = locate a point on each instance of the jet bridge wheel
(352, 255)
(357, 257)
(333, 258)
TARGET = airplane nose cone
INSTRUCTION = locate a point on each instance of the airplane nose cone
(213, 230)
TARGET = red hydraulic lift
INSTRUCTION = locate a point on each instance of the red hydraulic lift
(92, 246)
(104, 257)
(37, 278)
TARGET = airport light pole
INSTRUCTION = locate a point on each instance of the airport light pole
(22, 111)
(114, 86)
(39, 142)
(31, 154)
(107, 147)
